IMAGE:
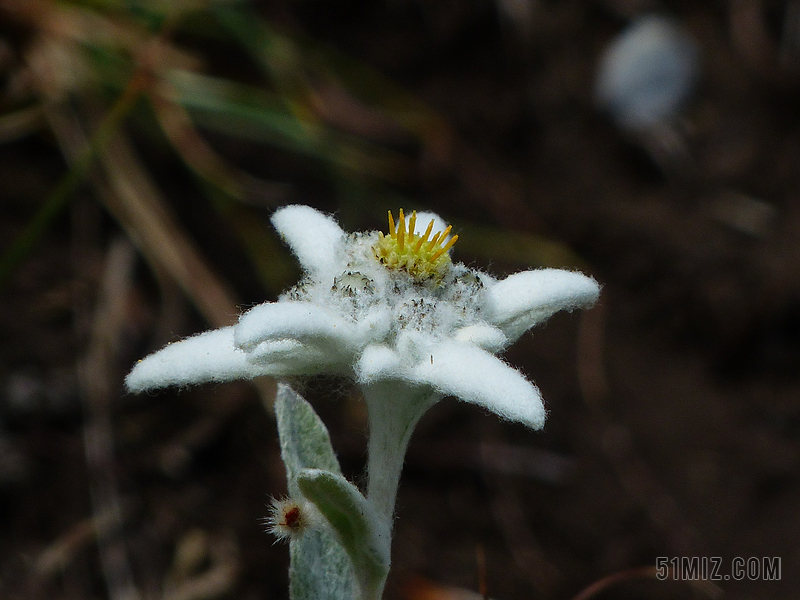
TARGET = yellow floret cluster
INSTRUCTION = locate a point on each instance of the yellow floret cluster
(422, 256)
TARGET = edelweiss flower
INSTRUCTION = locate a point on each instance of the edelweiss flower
(382, 308)
(409, 326)
(394, 313)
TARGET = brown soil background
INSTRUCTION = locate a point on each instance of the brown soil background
(674, 406)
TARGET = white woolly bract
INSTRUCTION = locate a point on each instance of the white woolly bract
(352, 315)
(210, 356)
(523, 300)
(488, 382)
(314, 238)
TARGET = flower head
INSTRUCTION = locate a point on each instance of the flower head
(424, 257)
(289, 519)
(382, 308)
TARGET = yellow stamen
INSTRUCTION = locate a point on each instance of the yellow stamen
(422, 257)
(424, 238)
(401, 230)
(444, 248)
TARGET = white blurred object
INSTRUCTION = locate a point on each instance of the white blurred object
(647, 72)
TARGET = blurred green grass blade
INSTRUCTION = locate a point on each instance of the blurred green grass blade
(150, 13)
(59, 197)
(110, 66)
(240, 109)
(279, 56)
(245, 26)
(248, 112)
(273, 50)
(289, 61)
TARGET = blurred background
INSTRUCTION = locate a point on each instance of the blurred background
(144, 145)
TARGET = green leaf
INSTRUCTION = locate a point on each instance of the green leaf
(320, 568)
(305, 443)
(365, 537)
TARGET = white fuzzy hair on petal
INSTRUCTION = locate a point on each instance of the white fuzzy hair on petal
(476, 376)
(523, 300)
(210, 356)
(315, 238)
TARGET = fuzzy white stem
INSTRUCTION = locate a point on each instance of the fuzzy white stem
(394, 410)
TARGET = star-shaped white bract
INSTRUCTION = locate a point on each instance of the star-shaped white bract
(355, 312)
